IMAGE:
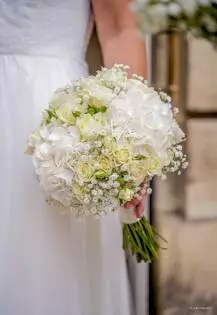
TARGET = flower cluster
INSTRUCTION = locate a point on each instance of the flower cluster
(199, 17)
(101, 138)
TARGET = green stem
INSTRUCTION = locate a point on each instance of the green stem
(141, 239)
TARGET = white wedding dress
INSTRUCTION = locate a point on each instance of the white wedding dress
(50, 264)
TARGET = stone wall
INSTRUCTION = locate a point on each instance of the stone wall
(188, 268)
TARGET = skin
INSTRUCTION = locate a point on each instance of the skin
(117, 33)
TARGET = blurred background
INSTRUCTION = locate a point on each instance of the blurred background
(184, 208)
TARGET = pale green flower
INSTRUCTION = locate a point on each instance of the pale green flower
(96, 105)
(85, 84)
(66, 107)
(84, 170)
(65, 114)
(92, 126)
(96, 94)
(138, 170)
(62, 98)
(154, 165)
(122, 156)
(109, 145)
(103, 167)
(126, 194)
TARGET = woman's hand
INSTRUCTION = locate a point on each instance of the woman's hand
(138, 202)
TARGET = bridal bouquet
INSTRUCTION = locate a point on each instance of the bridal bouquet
(100, 139)
(199, 17)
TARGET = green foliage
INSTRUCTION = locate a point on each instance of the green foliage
(49, 114)
(76, 114)
(94, 110)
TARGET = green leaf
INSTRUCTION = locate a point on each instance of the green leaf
(76, 114)
(139, 157)
(91, 110)
(120, 180)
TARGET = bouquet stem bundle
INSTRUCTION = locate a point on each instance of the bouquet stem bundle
(141, 240)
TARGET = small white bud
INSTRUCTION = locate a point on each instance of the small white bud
(149, 190)
(185, 165)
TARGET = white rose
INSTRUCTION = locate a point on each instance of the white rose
(62, 98)
(93, 126)
(125, 194)
(122, 156)
(84, 170)
(138, 170)
(65, 113)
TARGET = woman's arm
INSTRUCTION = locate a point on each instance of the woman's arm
(117, 33)
(116, 28)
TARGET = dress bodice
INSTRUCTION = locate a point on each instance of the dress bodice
(44, 27)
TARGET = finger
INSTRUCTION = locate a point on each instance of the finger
(132, 203)
(143, 192)
(136, 201)
(140, 209)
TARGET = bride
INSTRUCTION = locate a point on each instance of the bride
(51, 264)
